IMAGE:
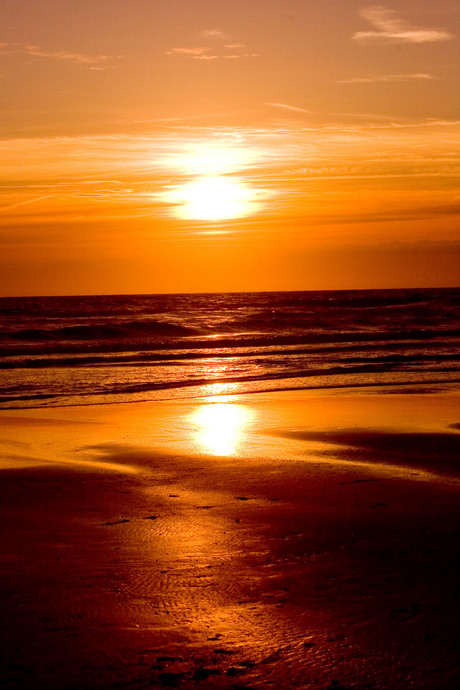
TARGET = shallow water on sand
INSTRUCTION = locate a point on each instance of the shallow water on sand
(271, 541)
(246, 427)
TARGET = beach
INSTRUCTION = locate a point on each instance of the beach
(229, 345)
(297, 539)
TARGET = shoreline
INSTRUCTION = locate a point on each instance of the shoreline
(443, 386)
(287, 540)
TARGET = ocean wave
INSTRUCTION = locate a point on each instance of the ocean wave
(56, 350)
(357, 352)
(159, 345)
(106, 331)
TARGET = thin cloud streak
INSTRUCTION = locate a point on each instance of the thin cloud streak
(213, 33)
(386, 78)
(391, 29)
(293, 108)
(26, 202)
(205, 54)
(37, 51)
(294, 166)
(188, 52)
(222, 48)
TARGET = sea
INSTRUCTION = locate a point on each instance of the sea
(60, 351)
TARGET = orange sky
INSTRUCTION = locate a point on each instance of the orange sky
(203, 145)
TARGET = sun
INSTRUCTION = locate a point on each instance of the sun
(211, 183)
(214, 198)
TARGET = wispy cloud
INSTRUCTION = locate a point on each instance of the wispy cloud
(189, 52)
(373, 79)
(218, 47)
(358, 169)
(213, 33)
(285, 106)
(92, 61)
(390, 29)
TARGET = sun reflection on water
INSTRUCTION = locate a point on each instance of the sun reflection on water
(219, 427)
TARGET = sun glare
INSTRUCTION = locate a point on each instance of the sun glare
(220, 427)
(214, 198)
(208, 160)
(214, 188)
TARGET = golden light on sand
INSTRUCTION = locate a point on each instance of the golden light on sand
(220, 427)
(213, 198)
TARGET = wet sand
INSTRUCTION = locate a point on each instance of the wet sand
(289, 540)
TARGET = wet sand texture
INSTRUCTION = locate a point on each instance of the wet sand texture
(334, 566)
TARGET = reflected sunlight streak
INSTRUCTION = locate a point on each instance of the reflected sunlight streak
(220, 427)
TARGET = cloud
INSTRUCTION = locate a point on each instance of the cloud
(391, 29)
(188, 52)
(408, 213)
(206, 53)
(322, 175)
(93, 61)
(385, 78)
(213, 33)
(221, 48)
(285, 106)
